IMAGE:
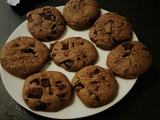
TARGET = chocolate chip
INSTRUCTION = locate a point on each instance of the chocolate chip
(126, 54)
(41, 106)
(82, 43)
(96, 71)
(95, 31)
(97, 98)
(108, 27)
(45, 82)
(50, 17)
(128, 46)
(65, 46)
(32, 45)
(94, 82)
(34, 93)
(72, 44)
(78, 86)
(60, 85)
(16, 45)
(77, 38)
(28, 50)
(53, 26)
(61, 96)
(78, 59)
(36, 81)
(49, 91)
(29, 18)
(97, 88)
(68, 63)
(84, 55)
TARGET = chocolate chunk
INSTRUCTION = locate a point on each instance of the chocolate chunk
(126, 54)
(34, 81)
(68, 63)
(34, 93)
(45, 82)
(96, 71)
(78, 86)
(128, 46)
(65, 46)
(41, 106)
(28, 51)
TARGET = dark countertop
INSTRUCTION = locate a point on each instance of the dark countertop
(142, 102)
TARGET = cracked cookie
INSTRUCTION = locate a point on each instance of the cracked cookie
(24, 56)
(129, 59)
(46, 23)
(73, 53)
(47, 91)
(81, 14)
(95, 86)
(110, 30)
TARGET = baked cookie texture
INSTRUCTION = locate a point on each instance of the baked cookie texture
(47, 91)
(95, 86)
(24, 56)
(45, 23)
(73, 53)
(81, 14)
(129, 59)
(110, 30)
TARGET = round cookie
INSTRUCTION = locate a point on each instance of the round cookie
(73, 53)
(81, 14)
(95, 86)
(129, 59)
(110, 30)
(47, 91)
(45, 23)
(24, 56)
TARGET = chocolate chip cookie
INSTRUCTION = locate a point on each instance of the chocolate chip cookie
(95, 86)
(73, 53)
(129, 59)
(110, 30)
(45, 23)
(81, 14)
(24, 56)
(47, 91)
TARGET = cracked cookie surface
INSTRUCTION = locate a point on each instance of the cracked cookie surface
(47, 91)
(73, 53)
(81, 14)
(110, 30)
(24, 56)
(95, 86)
(129, 59)
(45, 23)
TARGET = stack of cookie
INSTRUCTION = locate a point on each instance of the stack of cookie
(94, 85)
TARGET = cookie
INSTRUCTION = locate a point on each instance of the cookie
(95, 86)
(81, 14)
(129, 59)
(73, 53)
(45, 23)
(24, 56)
(110, 30)
(47, 91)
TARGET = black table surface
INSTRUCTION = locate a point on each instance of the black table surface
(142, 102)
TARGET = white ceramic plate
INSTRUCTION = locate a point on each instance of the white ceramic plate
(76, 109)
